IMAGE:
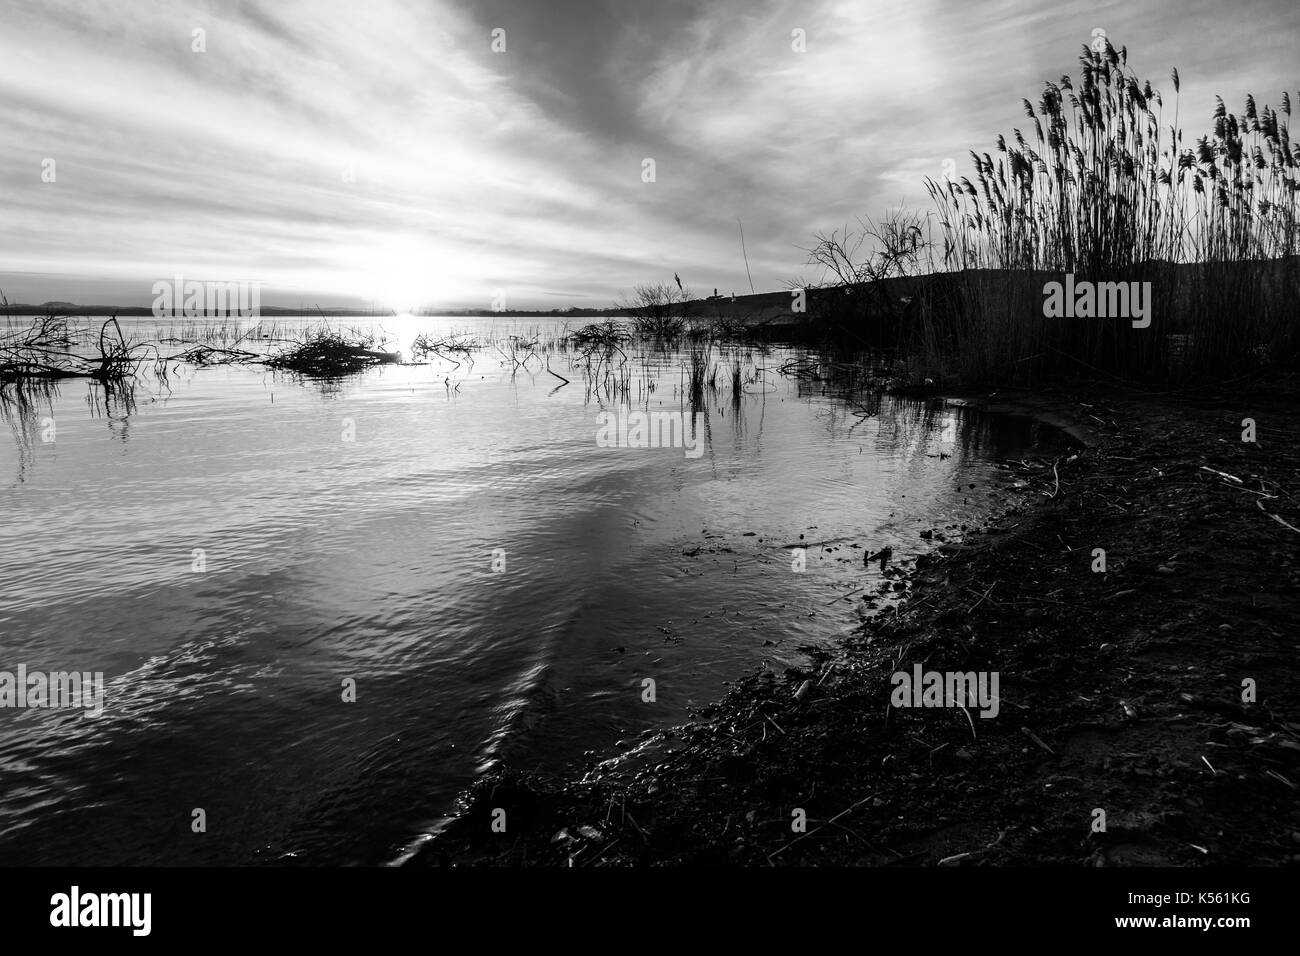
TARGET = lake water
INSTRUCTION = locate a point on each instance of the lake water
(234, 546)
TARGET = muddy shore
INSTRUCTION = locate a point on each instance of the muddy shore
(1160, 691)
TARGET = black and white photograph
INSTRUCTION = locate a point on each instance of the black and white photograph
(721, 444)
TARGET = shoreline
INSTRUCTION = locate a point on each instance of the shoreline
(1121, 693)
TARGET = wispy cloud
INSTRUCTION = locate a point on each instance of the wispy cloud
(387, 152)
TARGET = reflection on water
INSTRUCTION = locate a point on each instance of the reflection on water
(232, 546)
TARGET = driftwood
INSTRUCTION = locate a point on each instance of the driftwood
(43, 353)
(446, 348)
(328, 354)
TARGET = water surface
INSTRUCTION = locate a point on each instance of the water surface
(347, 532)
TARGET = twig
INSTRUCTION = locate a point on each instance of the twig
(971, 722)
(1277, 776)
(981, 600)
(1038, 740)
(827, 823)
(1222, 474)
(840, 597)
(1276, 518)
(1057, 489)
(962, 856)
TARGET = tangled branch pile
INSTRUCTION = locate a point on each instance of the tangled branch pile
(326, 354)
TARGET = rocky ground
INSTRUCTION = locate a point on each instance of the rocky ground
(1161, 691)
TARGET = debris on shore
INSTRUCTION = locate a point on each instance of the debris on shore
(1147, 713)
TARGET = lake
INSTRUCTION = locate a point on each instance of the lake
(242, 552)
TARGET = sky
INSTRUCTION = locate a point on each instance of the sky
(349, 153)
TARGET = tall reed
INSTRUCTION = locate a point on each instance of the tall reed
(1104, 189)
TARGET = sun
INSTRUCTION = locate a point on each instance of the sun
(401, 274)
(410, 273)
(404, 291)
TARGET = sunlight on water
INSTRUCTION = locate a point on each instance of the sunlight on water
(229, 545)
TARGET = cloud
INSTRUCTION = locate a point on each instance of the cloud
(384, 151)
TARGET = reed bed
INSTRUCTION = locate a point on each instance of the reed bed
(1102, 188)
